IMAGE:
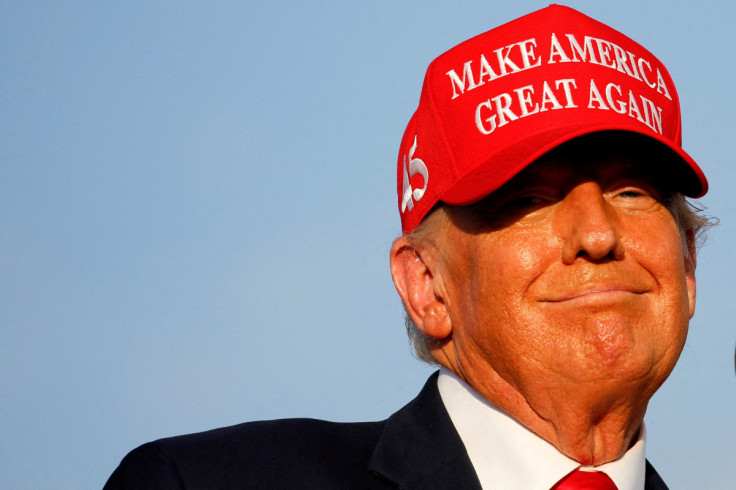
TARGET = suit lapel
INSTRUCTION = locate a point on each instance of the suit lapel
(419, 447)
(653, 481)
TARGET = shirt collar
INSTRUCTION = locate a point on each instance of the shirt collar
(506, 455)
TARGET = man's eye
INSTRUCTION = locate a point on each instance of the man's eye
(634, 198)
(631, 193)
(636, 192)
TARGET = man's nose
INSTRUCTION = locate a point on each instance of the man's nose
(589, 226)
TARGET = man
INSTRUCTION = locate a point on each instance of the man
(547, 265)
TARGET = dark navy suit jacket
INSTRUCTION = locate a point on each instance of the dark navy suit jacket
(415, 448)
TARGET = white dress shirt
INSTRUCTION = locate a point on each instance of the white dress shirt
(508, 456)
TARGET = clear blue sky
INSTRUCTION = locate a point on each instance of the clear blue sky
(197, 202)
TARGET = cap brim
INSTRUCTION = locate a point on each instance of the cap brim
(500, 167)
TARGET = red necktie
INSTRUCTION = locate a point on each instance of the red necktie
(585, 480)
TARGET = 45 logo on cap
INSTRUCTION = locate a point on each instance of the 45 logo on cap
(413, 167)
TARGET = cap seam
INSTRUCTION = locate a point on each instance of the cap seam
(441, 125)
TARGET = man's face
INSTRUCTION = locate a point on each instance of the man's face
(572, 274)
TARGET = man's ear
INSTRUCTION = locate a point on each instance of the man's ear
(690, 263)
(419, 283)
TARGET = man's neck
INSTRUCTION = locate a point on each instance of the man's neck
(591, 425)
(506, 454)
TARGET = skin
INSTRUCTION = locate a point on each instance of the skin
(563, 298)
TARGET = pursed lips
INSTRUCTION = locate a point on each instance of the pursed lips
(607, 291)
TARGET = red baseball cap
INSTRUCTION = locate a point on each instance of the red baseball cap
(495, 103)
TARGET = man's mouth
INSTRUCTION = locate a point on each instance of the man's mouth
(596, 293)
